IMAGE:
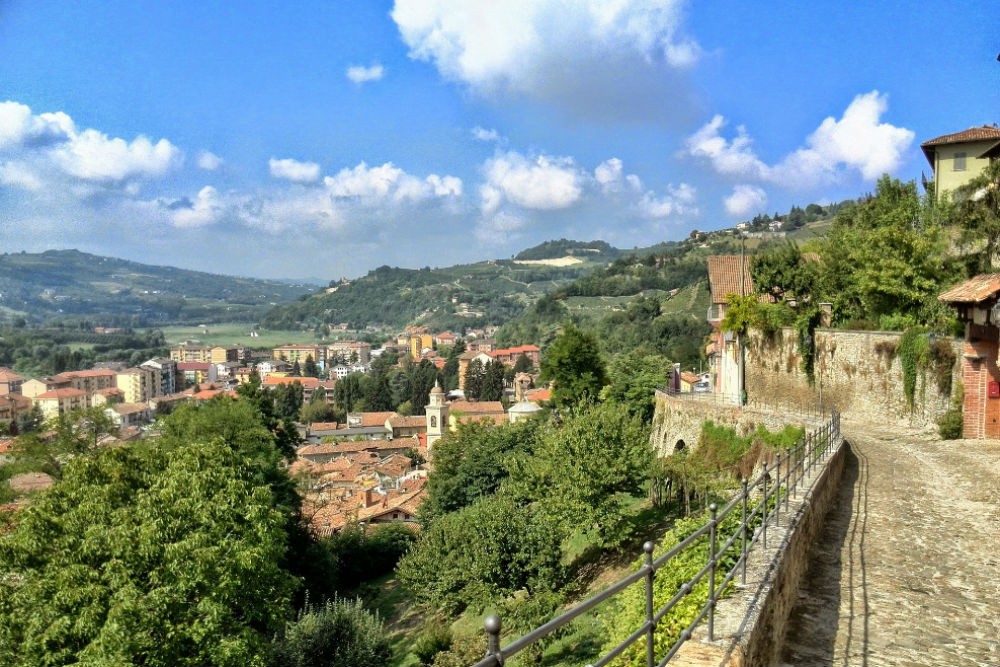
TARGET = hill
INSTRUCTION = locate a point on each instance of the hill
(68, 284)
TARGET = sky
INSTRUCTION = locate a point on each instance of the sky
(321, 139)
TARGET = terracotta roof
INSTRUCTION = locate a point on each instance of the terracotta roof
(99, 372)
(7, 375)
(476, 407)
(517, 350)
(539, 394)
(491, 418)
(65, 392)
(130, 408)
(690, 377)
(322, 426)
(306, 382)
(369, 419)
(973, 290)
(193, 365)
(397, 421)
(981, 133)
(729, 274)
(354, 446)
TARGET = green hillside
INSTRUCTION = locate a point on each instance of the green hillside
(72, 285)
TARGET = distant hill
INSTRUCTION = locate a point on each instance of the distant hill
(591, 250)
(68, 284)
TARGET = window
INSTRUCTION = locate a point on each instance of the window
(959, 164)
(434, 422)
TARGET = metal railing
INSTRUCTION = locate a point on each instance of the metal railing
(758, 504)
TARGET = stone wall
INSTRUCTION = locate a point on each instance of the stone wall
(677, 420)
(750, 626)
(857, 371)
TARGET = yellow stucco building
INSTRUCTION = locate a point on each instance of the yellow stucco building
(958, 158)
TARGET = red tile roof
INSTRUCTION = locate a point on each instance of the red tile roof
(476, 407)
(981, 133)
(973, 290)
(729, 274)
(369, 419)
(306, 382)
(65, 392)
(7, 375)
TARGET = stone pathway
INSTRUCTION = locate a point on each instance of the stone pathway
(907, 570)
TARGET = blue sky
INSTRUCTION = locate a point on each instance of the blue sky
(323, 139)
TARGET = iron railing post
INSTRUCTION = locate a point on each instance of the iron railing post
(788, 479)
(492, 626)
(763, 510)
(777, 488)
(743, 577)
(651, 631)
(712, 531)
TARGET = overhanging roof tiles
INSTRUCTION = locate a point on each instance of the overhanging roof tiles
(973, 290)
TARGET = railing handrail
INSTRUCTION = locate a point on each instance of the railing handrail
(790, 472)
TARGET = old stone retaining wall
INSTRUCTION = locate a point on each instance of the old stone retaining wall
(858, 371)
(750, 625)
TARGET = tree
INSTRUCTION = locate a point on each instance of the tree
(782, 271)
(493, 381)
(474, 373)
(574, 364)
(144, 556)
(378, 394)
(523, 364)
(582, 468)
(634, 379)
(348, 391)
(63, 437)
(310, 369)
(472, 462)
(886, 257)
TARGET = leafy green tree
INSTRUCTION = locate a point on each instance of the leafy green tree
(886, 256)
(472, 462)
(634, 379)
(310, 369)
(574, 364)
(486, 550)
(583, 469)
(339, 633)
(782, 271)
(378, 394)
(62, 438)
(144, 556)
(422, 379)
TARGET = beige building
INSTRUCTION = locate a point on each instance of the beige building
(10, 382)
(958, 158)
(59, 401)
(138, 385)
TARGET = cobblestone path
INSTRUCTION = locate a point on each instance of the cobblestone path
(907, 570)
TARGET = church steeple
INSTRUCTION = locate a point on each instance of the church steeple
(437, 415)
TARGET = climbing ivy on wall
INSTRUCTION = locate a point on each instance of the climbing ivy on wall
(806, 326)
(914, 354)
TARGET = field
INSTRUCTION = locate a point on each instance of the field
(234, 333)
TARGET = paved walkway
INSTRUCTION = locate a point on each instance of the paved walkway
(907, 570)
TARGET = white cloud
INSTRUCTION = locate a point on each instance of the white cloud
(209, 161)
(744, 200)
(547, 51)
(360, 74)
(49, 149)
(500, 228)
(731, 158)
(388, 182)
(294, 171)
(482, 134)
(679, 201)
(857, 142)
(204, 210)
(542, 183)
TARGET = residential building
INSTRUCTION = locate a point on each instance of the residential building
(138, 384)
(727, 275)
(958, 158)
(191, 352)
(299, 353)
(126, 415)
(509, 356)
(195, 372)
(59, 401)
(165, 371)
(349, 352)
(222, 355)
(10, 382)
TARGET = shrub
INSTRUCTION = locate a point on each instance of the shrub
(950, 424)
(434, 639)
(339, 633)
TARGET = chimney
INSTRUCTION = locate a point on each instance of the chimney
(368, 498)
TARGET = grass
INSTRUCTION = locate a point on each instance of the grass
(234, 333)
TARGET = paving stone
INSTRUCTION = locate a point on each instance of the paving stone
(905, 571)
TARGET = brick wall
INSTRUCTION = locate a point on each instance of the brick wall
(980, 413)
